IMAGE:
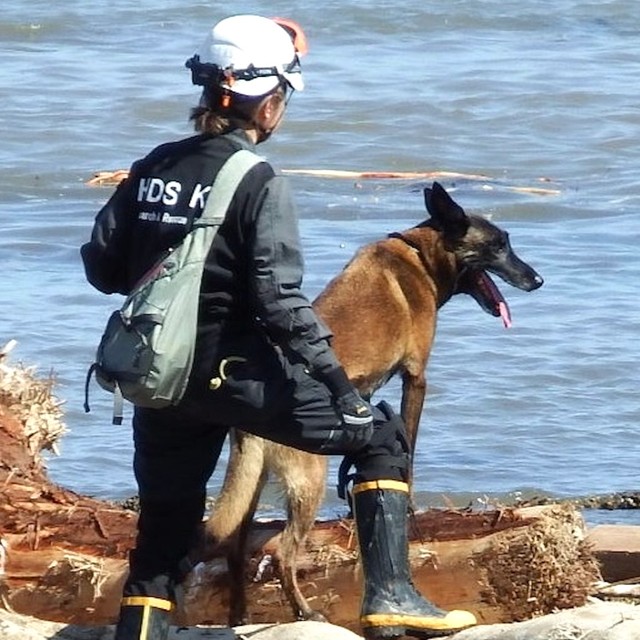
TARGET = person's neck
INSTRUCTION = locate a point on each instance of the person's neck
(253, 135)
(249, 133)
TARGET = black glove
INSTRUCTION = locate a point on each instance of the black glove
(355, 412)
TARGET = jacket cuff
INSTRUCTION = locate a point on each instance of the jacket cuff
(337, 381)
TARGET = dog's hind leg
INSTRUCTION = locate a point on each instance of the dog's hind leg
(303, 476)
(237, 560)
(229, 524)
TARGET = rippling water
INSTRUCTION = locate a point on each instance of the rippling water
(530, 94)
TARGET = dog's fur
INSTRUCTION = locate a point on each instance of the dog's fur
(382, 311)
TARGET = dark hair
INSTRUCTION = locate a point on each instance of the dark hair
(220, 111)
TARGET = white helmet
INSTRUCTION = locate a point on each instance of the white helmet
(247, 55)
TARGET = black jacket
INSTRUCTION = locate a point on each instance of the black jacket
(252, 278)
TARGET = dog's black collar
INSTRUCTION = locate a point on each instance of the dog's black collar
(398, 236)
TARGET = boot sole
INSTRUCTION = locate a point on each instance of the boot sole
(389, 632)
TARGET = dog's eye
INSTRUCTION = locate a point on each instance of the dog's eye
(501, 243)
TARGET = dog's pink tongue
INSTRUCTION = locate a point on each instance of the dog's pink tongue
(504, 314)
(494, 299)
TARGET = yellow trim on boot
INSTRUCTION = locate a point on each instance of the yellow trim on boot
(454, 621)
(373, 485)
(147, 601)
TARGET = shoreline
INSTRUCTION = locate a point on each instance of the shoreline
(32, 415)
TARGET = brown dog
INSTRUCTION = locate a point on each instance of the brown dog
(382, 311)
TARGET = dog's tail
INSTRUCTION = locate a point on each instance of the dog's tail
(238, 498)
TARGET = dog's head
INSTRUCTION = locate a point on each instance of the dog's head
(479, 247)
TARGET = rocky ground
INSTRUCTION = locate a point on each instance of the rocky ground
(595, 621)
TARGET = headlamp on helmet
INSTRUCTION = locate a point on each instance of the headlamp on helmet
(206, 74)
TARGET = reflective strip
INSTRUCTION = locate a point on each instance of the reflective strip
(144, 623)
(147, 601)
(393, 485)
(455, 620)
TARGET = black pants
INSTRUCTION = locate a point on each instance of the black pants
(176, 450)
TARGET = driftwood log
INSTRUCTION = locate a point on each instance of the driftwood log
(63, 555)
(113, 178)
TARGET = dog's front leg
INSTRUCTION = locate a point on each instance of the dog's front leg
(414, 389)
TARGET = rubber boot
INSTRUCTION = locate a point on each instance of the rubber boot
(391, 605)
(143, 618)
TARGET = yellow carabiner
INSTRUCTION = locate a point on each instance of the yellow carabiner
(216, 383)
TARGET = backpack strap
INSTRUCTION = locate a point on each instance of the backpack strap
(224, 186)
(118, 398)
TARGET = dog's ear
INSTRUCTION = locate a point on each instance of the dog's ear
(446, 214)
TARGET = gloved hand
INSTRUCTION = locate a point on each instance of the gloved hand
(355, 412)
(357, 421)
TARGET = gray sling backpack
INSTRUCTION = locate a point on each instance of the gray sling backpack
(147, 348)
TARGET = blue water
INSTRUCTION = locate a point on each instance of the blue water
(530, 94)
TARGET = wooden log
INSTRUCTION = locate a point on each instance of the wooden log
(113, 178)
(478, 572)
(63, 556)
(617, 548)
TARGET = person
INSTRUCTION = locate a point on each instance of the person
(258, 337)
